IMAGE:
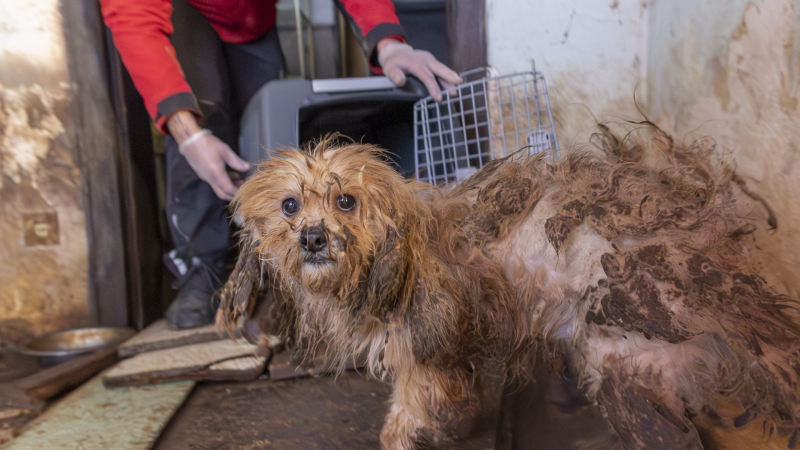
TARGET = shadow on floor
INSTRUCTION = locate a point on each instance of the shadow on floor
(347, 413)
(310, 413)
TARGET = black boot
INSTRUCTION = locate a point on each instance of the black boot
(197, 282)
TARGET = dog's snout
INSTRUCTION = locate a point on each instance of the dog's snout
(313, 240)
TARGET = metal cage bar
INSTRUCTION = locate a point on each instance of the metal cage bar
(446, 150)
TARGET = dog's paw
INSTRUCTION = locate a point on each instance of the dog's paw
(399, 431)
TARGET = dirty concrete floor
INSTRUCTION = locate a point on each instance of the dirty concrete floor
(553, 415)
(347, 413)
(309, 413)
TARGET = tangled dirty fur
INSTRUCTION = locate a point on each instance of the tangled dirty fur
(634, 259)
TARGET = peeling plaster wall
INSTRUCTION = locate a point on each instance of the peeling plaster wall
(729, 69)
(591, 52)
(688, 44)
(43, 242)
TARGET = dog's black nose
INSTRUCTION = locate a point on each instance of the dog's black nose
(313, 240)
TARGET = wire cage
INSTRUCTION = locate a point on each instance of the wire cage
(479, 121)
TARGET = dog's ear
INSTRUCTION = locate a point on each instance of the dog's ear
(236, 297)
(390, 278)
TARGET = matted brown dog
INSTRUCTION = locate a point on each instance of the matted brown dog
(634, 260)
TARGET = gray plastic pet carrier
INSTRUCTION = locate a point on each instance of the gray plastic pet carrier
(485, 118)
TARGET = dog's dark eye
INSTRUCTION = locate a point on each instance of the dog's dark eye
(346, 202)
(290, 206)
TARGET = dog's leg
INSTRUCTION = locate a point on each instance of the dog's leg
(400, 429)
(642, 421)
(235, 297)
(420, 395)
(431, 407)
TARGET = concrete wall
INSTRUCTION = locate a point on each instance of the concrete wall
(687, 49)
(43, 242)
(728, 69)
(593, 54)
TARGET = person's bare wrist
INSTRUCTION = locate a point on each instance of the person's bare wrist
(182, 125)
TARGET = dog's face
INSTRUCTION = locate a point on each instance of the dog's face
(320, 217)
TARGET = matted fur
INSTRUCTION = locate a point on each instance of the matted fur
(636, 260)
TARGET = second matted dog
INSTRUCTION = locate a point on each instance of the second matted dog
(634, 261)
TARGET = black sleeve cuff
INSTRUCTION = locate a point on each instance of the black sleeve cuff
(377, 33)
(174, 103)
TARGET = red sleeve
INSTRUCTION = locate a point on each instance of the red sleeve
(141, 30)
(375, 19)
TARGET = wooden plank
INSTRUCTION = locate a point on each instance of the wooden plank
(187, 362)
(93, 417)
(97, 154)
(247, 368)
(23, 399)
(16, 409)
(239, 369)
(283, 367)
(160, 335)
(54, 380)
(139, 194)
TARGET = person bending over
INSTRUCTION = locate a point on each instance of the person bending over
(198, 62)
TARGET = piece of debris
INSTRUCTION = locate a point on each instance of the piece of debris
(93, 416)
(161, 335)
(283, 366)
(218, 360)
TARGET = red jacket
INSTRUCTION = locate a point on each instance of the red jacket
(141, 30)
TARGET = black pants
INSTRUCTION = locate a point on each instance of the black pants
(223, 77)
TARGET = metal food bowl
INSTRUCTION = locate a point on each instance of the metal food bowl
(57, 347)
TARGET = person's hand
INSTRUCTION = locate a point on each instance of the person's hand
(397, 58)
(207, 155)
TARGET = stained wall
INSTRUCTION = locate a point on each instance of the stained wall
(593, 54)
(728, 69)
(43, 242)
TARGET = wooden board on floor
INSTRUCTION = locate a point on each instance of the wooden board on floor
(246, 368)
(23, 399)
(94, 417)
(283, 367)
(161, 335)
(190, 362)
